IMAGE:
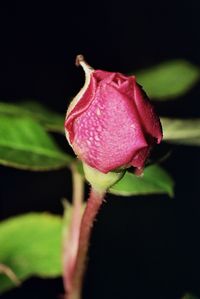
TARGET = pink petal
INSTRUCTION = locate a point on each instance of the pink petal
(149, 118)
(108, 134)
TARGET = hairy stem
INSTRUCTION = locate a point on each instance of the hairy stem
(93, 205)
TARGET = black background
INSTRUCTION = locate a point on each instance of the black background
(142, 247)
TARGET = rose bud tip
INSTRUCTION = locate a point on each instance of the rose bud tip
(80, 61)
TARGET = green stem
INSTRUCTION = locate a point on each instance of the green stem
(71, 239)
(93, 205)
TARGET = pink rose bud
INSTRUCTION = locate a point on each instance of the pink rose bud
(111, 123)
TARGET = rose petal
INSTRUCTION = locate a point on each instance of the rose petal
(108, 133)
(81, 106)
(149, 118)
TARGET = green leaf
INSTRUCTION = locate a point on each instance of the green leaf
(154, 181)
(169, 79)
(189, 296)
(30, 246)
(51, 120)
(25, 144)
(181, 131)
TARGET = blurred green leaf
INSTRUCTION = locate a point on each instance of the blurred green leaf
(169, 79)
(24, 144)
(154, 181)
(181, 131)
(30, 246)
(189, 296)
(51, 120)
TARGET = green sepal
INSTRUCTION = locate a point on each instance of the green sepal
(101, 181)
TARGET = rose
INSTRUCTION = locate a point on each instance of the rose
(111, 126)
(111, 123)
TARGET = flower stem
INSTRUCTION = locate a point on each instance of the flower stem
(93, 205)
(71, 239)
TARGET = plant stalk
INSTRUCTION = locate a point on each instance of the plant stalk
(93, 205)
(71, 238)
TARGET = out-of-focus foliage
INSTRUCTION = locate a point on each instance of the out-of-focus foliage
(181, 131)
(25, 144)
(51, 120)
(30, 246)
(189, 296)
(155, 180)
(169, 79)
